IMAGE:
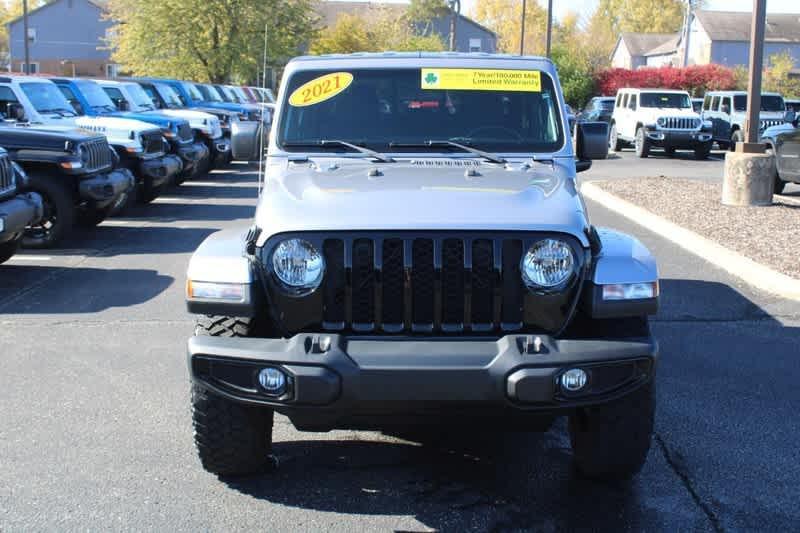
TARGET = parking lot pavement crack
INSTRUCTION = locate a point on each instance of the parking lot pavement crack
(683, 475)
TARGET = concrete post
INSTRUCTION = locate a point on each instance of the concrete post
(749, 179)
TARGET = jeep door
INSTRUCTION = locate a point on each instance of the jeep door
(629, 125)
(621, 117)
(725, 114)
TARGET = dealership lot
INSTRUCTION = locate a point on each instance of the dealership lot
(96, 432)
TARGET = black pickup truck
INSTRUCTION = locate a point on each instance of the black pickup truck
(17, 210)
(74, 173)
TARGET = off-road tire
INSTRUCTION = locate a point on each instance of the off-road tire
(736, 137)
(702, 152)
(232, 439)
(59, 211)
(8, 249)
(642, 144)
(669, 152)
(614, 144)
(146, 193)
(611, 441)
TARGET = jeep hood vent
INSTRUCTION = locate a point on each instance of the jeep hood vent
(445, 163)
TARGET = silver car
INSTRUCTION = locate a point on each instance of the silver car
(421, 255)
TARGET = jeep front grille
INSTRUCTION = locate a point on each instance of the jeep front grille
(768, 123)
(185, 132)
(681, 123)
(99, 154)
(152, 142)
(421, 283)
(7, 182)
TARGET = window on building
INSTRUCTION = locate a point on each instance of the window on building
(475, 45)
(112, 70)
(33, 67)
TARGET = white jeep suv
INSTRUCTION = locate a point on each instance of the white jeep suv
(660, 118)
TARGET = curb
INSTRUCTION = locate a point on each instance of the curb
(755, 274)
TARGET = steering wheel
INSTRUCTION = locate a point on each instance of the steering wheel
(507, 131)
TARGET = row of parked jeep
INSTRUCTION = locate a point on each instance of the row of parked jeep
(75, 151)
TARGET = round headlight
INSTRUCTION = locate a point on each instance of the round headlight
(298, 266)
(548, 263)
(661, 121)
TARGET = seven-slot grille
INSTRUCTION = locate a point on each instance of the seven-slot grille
(185, 132)
(420, 284)
(152, 142)
(768, 123)
(99, 154)
(7, 182)
(681, 123)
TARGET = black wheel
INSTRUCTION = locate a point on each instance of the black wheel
(614, 144)
(670, 152)
(91, 217)
(611, 441)
(642, 144)
(736, 137)
(8, 249)
(779, 184)
(232, 439)
(702, 152)
(146, 193)
(59, 213)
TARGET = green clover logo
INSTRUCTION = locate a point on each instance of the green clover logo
(431, 78)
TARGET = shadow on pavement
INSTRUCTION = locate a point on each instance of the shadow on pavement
(108, 241)
(76, 290)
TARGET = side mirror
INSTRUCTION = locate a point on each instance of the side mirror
(790, 117)
(17, 112)
(591, 142)
(156, 103)
(123, 105)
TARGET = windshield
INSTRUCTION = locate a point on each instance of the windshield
(606, 105)
(491, 110)
(209, 94)
(243, 97)
(673, 100)
(227, 94)
(769, 102)
(138, 96)
(96, 97)
(47, 98)
(192, 91)
(170, 95)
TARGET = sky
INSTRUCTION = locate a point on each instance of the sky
(586, 7)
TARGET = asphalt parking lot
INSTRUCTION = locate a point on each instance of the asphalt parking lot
(95, 430)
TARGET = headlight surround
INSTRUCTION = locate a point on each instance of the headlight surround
(548, 264)
(83, 154)
(661, 121)
(20, 176)
(298, 266)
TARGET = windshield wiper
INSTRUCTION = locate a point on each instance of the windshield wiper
(433, 144)
(59, 112)
(335, 142)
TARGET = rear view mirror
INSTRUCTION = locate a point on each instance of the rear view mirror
(591, 141)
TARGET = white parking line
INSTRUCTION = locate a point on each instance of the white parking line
(31, 258)
(116, 222)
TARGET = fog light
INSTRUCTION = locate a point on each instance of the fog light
(573, 379)
(273, 381)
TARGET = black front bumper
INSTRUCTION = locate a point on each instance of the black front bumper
(191, 154)
(17, 212)
(688, 140)
(159, 170)
(104, 189)
(336, 380)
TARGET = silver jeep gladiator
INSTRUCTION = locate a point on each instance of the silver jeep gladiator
(421, 255)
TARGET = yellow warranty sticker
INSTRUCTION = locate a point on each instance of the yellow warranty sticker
(472, 79)
(320, 89)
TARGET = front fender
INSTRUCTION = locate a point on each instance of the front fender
(221, 259)
(246, 140)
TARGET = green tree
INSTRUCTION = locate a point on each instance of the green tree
(504, 17)
(423, 12)
(777, 76)
(381, 31)
(575, 75)
(207, 40)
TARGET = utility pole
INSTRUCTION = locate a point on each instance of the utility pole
(27, 66)
(522, 33)
(756, 65)
(549, 26)
(687, 32)
(455, 9)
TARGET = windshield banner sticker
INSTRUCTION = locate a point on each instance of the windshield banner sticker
(320, 89)
(471, 79)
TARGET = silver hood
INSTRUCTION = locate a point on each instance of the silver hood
(347, 193)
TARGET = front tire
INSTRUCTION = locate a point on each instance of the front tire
(92, 217)
(232, 439)
(8, 249)
(59, 213)
(736, 137)
(702, 152)
(611, 441)
(642, 144)
(779, 184)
